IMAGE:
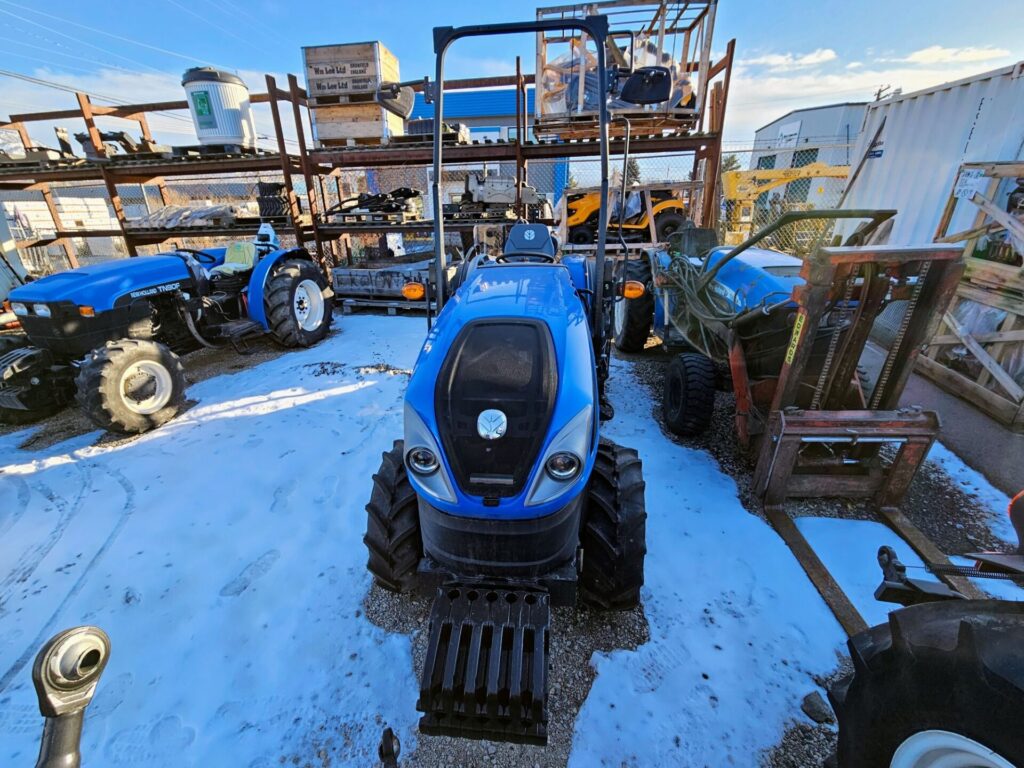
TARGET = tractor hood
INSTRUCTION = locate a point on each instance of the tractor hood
(109, 283)
(505, 378)
(757, 276)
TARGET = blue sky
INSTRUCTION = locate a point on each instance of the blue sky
(791, 54)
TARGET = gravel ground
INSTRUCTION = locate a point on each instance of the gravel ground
(575, 634)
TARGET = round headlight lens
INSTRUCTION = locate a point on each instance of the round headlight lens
(563, 466)
(422, 461)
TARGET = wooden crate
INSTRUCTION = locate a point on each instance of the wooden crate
(984, 376)
(332, 70)
(334, 125)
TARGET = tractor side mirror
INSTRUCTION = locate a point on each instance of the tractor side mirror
(396, 98)
(647, 85)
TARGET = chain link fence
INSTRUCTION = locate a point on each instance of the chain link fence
(759, 185)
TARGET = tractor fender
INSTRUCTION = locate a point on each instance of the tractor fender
(671, 204)
(261, 274)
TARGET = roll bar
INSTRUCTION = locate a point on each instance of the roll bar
(597, 28)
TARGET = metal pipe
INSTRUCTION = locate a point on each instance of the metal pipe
(597, 28)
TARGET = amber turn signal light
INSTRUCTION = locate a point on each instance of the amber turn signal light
(413, 291)
(87, 312)
(633, 289)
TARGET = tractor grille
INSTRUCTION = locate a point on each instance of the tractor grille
(509, 366)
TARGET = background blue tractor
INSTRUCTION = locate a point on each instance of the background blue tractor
(109, 335)
(503, 498)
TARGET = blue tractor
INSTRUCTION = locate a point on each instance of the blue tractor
(109, 335)
(503, 497)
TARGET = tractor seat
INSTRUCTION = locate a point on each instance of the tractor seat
(239, 257)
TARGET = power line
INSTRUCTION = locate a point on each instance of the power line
(71, 37)
(67, 55)
(132, 41)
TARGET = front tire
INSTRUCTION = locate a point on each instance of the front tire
(688, 399)
(130, 386)
(614, 531)
(582, 235)
(940, 684)
(298, 311)
(393, 539)
(632, 318)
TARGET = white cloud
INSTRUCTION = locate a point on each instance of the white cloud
(855, 65)
(936, 54)
(782, 62)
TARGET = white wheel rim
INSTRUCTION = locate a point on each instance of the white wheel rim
(146, 387)
(942, 749)
(308, 305)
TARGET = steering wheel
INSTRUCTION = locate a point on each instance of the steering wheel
(546, 258)
(201, 256)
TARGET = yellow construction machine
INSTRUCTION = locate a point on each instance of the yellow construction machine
(741, 189)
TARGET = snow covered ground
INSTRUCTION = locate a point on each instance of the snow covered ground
(223, 555)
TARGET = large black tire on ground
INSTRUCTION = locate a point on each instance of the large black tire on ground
(614, 530)
(633, 317)
(668, 222)
(953, 666)
(688, 399)
(112, 403)
(290, 277)
(393, 537)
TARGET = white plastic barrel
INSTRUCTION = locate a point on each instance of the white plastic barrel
(219, 103)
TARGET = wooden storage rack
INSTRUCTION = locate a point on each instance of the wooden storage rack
(990, 284)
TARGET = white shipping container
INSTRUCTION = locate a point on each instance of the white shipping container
(926, 136)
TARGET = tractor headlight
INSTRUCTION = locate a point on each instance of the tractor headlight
(563, 466)
(41, 309)
(422, 461)
(563, 460)
(19, 309)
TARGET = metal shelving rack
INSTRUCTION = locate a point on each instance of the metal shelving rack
(316, 165)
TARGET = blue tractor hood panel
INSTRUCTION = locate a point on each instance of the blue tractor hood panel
(757, 276)
(541, 293)
(101, 285)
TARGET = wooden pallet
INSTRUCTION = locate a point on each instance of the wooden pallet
(570, 127)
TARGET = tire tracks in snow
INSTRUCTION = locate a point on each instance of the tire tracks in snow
(29, 560)
(46, 629)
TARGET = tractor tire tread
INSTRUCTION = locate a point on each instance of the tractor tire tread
(393, 539)
(97, 383)
(613, 534)
(696, 377)
(952, 665)
(639, 312)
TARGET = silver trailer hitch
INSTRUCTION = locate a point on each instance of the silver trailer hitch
(65, 675)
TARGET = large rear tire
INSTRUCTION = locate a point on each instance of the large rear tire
(940, 680)
(614, 531)
(130, 386)
(393, 537)
(688, 399)
(632, 318)
(297, 310)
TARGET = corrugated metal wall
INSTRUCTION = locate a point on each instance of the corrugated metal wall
(927, 135)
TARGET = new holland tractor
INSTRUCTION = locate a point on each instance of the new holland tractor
(109, 335)
(503, 498)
